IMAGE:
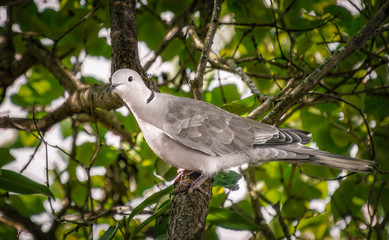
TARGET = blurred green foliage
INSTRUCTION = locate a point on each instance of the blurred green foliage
(274, 42)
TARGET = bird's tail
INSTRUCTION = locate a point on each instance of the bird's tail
(317, 157)
(341, 162)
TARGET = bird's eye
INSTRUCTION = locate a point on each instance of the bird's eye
(130, 79)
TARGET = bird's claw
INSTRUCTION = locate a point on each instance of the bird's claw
(184, 186)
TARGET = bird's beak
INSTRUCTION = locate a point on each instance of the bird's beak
(112, 87)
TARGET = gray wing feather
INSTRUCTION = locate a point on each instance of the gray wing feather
(204, 127)
(213, 131)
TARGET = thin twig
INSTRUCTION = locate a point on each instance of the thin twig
(197, 83)
(246, 79)
(73, 27)
(227, 65)
(373, 155)
(261, 109)
(281, 220)
(326, 179)
(46, 157)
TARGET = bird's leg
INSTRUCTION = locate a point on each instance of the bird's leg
(185, 186)
(197, 185)
(181, 173)
(182, 185)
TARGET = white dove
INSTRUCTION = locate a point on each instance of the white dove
(195, 135)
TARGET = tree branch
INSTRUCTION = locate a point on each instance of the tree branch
(55, 66)
(188, 211)
(124, 39)
(18, 68)
(13, 2)
(310, 82)
(79, 102)
(9, 212)
(197, 83)
(249, 176)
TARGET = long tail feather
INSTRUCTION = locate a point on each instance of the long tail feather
(306, 154)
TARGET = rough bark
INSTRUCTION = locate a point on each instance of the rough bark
(124, 39)
(189, 210)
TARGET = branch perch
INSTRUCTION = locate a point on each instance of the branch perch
(197, 83)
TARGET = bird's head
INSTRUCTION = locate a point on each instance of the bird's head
(127, 82)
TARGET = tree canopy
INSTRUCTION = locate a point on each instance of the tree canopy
(321, 66)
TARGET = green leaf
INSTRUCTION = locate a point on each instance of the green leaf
(319, 171)
(242, 106)
(16, 182)
(161, 225)
(228, 180)
(344, 16)
(230, 219)
(30, 20)
(164, 207)
(66, 128)
(173, 49)
(317, 224)
(6, 157)
(150, 30)
(129, 122)
(110, 233)
(41, 88)
(210, 233)
(106, 156)
(304, 44)
(340, 138)
(7, 232)
(230, 93)
(28, 205)
(79, 194)
(99, 47)
(164, 169)
(151, 200)
(349, 198)
(294, 208)
(84, 152)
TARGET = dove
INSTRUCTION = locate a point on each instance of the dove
(197, 136)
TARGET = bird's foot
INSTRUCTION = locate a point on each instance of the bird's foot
(181, 174)
(185, 186)
(196, 185)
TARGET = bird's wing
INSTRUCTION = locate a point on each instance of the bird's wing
(209, 129)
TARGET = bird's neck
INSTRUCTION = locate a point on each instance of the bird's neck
(147, 108)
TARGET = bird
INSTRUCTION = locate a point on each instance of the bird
(197, 136)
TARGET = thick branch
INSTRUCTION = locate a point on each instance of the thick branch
(26, 222)
(188, 211)
(124, 36)
(197, 83)
(310, 82)
(52, 63)
(17, 69)
(124, 39)
(13, 2)
(79, 102)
